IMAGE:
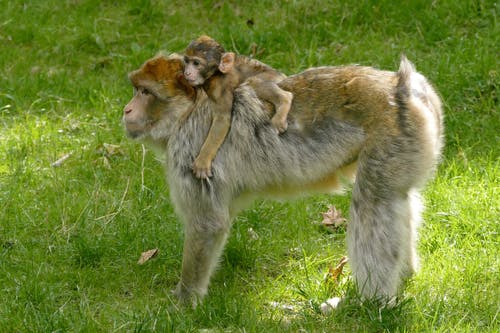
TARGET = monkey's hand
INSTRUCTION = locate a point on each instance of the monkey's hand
(202, 168)
(279, 123)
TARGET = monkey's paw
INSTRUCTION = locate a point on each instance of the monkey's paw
(279, 124)
(184, 298)
(202, 169)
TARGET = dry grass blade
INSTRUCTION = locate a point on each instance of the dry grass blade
(60, 161)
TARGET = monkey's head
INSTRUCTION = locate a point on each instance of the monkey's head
(203, 58)
(158, 84)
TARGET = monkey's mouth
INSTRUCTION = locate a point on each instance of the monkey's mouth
(137, 129)
(133, 135)
(194, 82)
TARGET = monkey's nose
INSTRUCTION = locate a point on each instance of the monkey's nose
(127, 110)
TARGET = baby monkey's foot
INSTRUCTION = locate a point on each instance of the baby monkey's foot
(202, 169)
(279, 124)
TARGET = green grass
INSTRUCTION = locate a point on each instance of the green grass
(70, 237)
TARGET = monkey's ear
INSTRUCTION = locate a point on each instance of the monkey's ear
(226, 62)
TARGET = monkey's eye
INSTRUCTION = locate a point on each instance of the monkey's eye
(196, 62)
(145, 91)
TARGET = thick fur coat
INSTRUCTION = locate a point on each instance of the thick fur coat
(382, 129)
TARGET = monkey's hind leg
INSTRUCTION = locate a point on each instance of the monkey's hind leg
(411, 264)
(281, 100)
(382, 234)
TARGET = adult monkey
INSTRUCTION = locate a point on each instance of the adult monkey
(383, 127)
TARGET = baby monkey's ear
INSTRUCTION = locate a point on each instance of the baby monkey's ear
(226, 62)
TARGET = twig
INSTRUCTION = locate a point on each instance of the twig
(111, 216)
(60, 161)
(142, 168)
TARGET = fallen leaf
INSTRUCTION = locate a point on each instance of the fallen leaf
(333, 218)
(148, 255)
(334, 273)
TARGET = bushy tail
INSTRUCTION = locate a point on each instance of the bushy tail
(386, 205)
(414, 92)
(403, 88)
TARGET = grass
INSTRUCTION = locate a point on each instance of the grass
(70, 236)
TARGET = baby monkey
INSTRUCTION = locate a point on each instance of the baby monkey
(207, 64)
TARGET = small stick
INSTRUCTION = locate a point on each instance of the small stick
(142, 167)
(60, 161)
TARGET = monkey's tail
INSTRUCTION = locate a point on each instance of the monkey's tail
(403, 88)
(413, 91)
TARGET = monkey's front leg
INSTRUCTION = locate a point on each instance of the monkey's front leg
(203, 245)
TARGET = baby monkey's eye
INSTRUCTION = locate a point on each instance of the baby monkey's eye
(196, 62)
(146, 91)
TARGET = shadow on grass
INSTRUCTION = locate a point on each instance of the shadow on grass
(226, 313)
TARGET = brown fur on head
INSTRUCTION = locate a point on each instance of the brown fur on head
(207, 48)
(163, 76)
(158, 83)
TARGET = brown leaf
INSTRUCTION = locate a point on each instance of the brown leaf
(148, 255)
(334, 273)
(333, 218)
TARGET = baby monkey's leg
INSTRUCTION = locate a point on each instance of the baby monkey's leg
(272, 93)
